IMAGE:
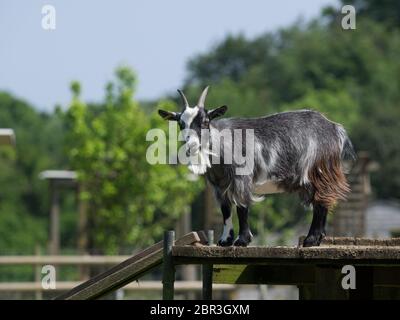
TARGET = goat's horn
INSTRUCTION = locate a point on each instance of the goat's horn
(202, 98)
(185, 102)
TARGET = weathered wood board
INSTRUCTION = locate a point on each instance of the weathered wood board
(375, 254)
(317, 271)
(263, 274)
(355, 241)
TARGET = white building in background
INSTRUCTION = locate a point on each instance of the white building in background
(382, 219)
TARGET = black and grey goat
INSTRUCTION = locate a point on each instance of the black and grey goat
(298, 151)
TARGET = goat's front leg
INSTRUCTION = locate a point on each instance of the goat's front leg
(228, 233)
(245, 235)
(317, 228)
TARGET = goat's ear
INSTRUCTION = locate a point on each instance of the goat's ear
(217, 112)
(168, 115)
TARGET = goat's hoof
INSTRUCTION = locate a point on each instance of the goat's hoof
(228, 241)
(225, 242)
(313, 240)
(243, 240)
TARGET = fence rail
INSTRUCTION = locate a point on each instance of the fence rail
(117, 279)
(62, 260)
(133, 286)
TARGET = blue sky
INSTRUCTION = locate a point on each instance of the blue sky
(92, 37)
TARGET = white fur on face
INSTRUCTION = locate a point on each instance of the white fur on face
(188, 116)
(199, 162)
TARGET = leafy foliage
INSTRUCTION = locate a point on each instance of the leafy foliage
(351, 76)
(131, 202)
(23, 197)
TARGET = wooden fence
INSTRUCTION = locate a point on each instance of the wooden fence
(121, 276)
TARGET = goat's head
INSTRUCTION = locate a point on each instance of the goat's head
(193, 120)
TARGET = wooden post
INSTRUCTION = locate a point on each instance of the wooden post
(168, 266)
(82, 222)
(188, 271)
(207, 270)
(209, 205)
(54, 244)
(84, 271)
(38, 275)
(306, 292)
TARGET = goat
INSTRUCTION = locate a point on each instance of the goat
(297, 151)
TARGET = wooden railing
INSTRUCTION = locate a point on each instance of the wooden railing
(126, 269)
(147, 285)
(62, 260)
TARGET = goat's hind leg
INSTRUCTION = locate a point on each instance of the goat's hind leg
(228, 233)
(317, 229)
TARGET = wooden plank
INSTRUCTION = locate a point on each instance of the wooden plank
(62, 260)
(352, 253)
(125, 272)
(147, 285)
(328, 284)
(364, 284)
(355, 241)
(386, 293)
(389, 254)
(234, 252)
(304, 276)
(387, 276)
(263, 274)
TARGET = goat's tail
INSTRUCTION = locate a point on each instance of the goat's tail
(328, 174)
(330, 183)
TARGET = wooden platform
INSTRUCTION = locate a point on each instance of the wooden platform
(324, 254)
(316, 271)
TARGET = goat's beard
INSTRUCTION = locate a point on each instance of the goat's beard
(199, 163)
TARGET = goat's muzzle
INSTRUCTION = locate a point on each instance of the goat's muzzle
(192, 148)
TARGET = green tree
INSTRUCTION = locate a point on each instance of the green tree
(23, 197)
(130, 201)
(352, 76)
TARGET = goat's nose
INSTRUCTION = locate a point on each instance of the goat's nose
(192, 147)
